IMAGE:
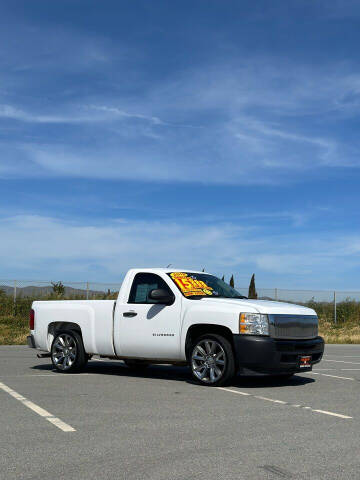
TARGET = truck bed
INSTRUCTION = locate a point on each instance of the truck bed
(94, 316)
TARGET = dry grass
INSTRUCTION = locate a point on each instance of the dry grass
(13, 330)
(343, 332)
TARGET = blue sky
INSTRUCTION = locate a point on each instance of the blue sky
(211, 134)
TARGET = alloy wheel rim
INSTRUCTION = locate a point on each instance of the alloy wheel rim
(64, 351)
(208, 361)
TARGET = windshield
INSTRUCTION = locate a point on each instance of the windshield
(198, 285)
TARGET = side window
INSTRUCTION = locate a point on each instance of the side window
(143, 283)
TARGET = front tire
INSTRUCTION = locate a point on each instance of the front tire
(67, 352)
(212, 360)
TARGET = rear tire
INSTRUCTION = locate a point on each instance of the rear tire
(67, 352)
(212, 360)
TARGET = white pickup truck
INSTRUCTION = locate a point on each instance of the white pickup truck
(179, 317)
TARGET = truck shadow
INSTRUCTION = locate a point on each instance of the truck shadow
(182, 374)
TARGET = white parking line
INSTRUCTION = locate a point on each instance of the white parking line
(349, 369)
(342, 356)
(331, 413)
(341, 361)
(325, 412)
(335, 370)
(332, 376)
(270, 399)
(326, 369)
(40, 411)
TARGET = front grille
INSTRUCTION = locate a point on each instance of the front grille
(293, 326)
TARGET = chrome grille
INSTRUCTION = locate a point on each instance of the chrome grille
(293, 326)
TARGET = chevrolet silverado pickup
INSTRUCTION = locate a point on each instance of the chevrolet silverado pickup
(179, 317)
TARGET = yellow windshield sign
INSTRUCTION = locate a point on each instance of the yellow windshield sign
(190, 286)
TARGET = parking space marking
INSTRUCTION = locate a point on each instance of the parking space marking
(342, 356)
(282, 402)
(340, 361)
(233, 391)
(327, 369)
(337, 369)
(332, 376)
(331, 413)
(349, 369)
(37, 409)
(270, 399)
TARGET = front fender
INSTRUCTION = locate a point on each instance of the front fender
(210, 315)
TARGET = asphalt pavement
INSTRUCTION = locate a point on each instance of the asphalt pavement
(112, 423)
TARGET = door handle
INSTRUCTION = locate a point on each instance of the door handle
(129, 314)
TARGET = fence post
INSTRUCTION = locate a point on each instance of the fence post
(335, 319)
(276, 294)
(87, 290)
(14, 297)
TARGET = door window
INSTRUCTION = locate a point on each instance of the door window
(142, 285)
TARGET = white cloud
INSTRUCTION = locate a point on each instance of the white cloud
(44, 248)
(79, 115)
(249, 121)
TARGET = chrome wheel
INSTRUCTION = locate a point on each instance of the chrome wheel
(208, 361)
(64, 351)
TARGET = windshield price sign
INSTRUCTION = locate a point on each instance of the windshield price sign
(190, 286)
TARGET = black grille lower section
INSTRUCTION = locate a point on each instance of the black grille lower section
(298, 346)
(293, 357)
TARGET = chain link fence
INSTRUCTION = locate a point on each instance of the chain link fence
(26, 288)
(16, 296)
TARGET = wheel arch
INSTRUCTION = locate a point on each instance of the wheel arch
(196, 330)
(55, 327)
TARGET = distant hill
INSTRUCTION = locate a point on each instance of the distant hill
(34, 291)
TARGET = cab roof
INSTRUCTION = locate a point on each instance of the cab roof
(168, 270)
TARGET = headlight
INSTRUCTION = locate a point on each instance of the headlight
(253, 324)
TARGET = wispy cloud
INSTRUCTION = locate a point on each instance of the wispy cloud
(254, 129)
(78, 249)
(113, 111)
(79, 115)
(10, 112)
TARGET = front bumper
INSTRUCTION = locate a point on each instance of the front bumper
(270, 355)
(31, 341)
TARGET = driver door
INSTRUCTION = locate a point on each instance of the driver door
(145, 328)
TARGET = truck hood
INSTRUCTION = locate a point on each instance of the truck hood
(261, 306)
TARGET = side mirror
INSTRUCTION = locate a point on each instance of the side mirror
(161, 296)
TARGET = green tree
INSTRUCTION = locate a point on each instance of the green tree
(58, 289)
(223, 278)
(252, 288)
(232, 281)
